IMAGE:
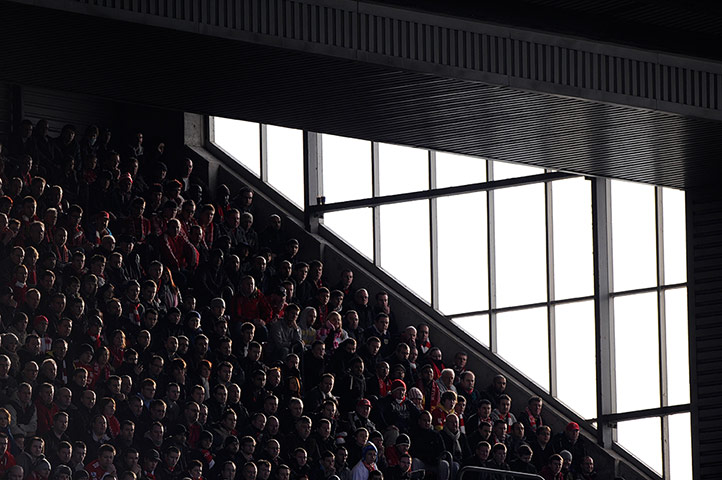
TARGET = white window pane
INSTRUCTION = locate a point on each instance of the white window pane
(637, 350)
(675, 242)
(573, 249)
(634, 256)
(355, 227)
(346, 168)
(241, 140)
(677, 346)
(477, 326)
(405, 250)
(576, 359)
(402, 169)
(285, 162)
(453, 170)
(463, 260)
(643, 439)
(523, 341)
(520, 245)
(504, 170)
(680, 447)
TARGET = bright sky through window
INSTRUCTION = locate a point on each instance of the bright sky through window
(525, 218)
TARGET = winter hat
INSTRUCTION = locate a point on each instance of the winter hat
(397, 384)
(403, 439)
(368, 448)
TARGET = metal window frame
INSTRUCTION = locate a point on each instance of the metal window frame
(603, 296)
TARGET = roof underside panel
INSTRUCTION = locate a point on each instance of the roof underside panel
(202, 74)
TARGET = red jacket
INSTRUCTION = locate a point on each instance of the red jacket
(248, 309)
(6, 461)
(45, 416)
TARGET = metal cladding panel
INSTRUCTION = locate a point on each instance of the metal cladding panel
(704, 234)
(78, 110)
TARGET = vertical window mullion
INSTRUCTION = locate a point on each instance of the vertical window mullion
(662, 319)
(263, 133)
(434, 233)
(490, 232)
(375, 189)
(551, 317)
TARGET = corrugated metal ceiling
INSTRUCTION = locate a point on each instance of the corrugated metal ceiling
(195, 73)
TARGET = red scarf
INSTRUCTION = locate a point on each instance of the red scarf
(532, 420)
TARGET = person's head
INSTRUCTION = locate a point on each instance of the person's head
(498, 453)
(369, 454)
(303, 427)
(249, 471)
(60, 422)
(499, 383)
(127, 430)
(535, 405)
(543, 434)
(99, 425)
(15, 472)
(148, 388)
(517, 430)
(228, 420)
(425, 420)
(318, 349)
(451, 423)
(499, 430)
(448, 399)
(283, 472)
(171, 456)
(35, 446)
(87, 399)
(192, 410)
(106, 455)
(555, 463)
(5, 418)
(483, 449)
(300, 456)
(468, 380)
(587, 465)
(504, 404)
(382, 322)
(228, 470)
(65, 452)
(485, 408)
(572, 432)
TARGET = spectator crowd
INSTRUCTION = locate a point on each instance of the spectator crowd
(152, 329)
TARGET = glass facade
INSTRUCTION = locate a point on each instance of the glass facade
(514, 267)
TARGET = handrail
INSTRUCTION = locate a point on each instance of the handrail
(470, 468)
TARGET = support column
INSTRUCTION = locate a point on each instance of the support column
(312, 179)
(603, 312)
(704, 280)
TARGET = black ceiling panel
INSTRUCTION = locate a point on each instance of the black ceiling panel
(195, 73)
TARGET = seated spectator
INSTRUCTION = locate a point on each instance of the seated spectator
(367, 463)
(445, 382)
(498, 458)
(284, 335)
(571, 441)
(480, 456)
(495, 390)
(586, 470)
(522, 463)
(553, 469)
(542, 447)
(503, 412)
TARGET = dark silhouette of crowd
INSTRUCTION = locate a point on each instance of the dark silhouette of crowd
(154, 328)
